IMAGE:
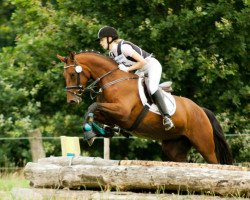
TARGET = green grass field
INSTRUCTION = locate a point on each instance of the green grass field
(9, 181)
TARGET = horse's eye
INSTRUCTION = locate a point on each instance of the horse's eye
(72, 75)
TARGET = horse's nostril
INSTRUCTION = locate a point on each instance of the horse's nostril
(72, 101)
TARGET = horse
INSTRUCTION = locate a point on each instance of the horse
(119, 104)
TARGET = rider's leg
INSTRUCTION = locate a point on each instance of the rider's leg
(159, 101)
(154, 76)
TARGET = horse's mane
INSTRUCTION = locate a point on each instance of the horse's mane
(95, 52)
(88, 51)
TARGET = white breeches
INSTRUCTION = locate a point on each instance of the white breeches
(153, 70)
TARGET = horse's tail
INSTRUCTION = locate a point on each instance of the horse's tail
(222, 150)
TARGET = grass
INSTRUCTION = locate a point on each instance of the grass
(9, 181)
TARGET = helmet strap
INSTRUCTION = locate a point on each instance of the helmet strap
(109, 42)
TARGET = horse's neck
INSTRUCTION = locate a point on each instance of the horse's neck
(102, 67)
(98, 64)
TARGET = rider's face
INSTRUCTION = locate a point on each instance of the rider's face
(103, 43)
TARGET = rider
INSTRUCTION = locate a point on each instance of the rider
(131, 57)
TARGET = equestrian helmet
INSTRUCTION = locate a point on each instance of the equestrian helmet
(107, 31)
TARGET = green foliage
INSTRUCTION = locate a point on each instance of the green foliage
(137, 149)
(7, 34)
(203, 47)
(241, 149)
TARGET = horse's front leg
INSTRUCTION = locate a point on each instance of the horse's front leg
(88, 124)
(91, 109)
(117, 111)
(98, 115)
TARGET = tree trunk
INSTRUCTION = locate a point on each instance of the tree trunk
(133, 177)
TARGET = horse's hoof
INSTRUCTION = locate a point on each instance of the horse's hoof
(88, 135)
(91, 141)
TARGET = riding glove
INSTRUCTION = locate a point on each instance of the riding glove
(123, 67)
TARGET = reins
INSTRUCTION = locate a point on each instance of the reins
(94, 83)
(117, 81)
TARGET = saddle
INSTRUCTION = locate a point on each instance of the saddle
(146, 99)
(165, 86)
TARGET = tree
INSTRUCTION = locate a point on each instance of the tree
(7, 35)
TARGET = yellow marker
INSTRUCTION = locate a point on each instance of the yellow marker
(70, 146)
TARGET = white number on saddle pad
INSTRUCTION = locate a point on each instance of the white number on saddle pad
(78, 69)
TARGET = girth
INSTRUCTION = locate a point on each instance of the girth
(139, 118)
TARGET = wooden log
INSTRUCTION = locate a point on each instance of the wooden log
(79, 160)
(132, 177)
(43, 175)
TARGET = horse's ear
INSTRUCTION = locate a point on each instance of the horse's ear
(72, 55)
(63, 59)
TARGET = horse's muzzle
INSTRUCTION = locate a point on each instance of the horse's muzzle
(76, 100)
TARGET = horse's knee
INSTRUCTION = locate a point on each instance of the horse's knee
(93, 107)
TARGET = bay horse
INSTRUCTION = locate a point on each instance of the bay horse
(119, 104)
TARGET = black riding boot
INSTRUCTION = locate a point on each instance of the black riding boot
(159, 101)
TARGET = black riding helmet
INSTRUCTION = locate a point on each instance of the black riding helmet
(107, 31)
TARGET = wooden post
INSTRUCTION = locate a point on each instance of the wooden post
(106, 150)
(36, 145)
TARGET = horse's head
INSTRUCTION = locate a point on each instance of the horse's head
(76, 78)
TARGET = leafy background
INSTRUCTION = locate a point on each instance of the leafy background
(203, 47)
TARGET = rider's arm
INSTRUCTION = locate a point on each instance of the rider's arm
(140, 62)
(129, 51)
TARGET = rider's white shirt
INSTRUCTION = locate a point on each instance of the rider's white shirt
(152, 68)
(126, 50)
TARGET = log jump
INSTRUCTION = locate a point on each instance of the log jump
(124, 175)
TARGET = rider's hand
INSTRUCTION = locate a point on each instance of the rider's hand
(123, 67)
(140, 74)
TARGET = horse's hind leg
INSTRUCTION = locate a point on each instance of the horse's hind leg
(209, 156)
(203, 141)
(177, 149)
(208, 153)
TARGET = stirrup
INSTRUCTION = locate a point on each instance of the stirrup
(168, 123)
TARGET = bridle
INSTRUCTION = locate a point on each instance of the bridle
(91, 87)
(79, 86)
